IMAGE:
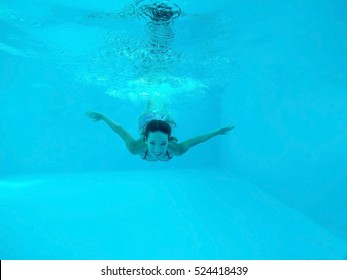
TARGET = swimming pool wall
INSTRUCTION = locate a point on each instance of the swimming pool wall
(288, 102)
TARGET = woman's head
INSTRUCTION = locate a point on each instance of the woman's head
(157, 126)
(157, 135)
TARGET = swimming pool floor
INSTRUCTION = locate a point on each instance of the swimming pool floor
(158, 214)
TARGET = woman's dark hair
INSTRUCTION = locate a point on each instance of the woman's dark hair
(157, 125)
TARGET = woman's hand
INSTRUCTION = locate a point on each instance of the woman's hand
(95, 116)
(224, 130)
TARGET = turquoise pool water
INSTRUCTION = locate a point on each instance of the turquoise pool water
(273, 188)
(178, 214)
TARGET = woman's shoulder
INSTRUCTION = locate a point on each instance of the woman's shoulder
(174, 148)
(139, 146)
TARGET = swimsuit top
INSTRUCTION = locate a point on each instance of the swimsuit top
(167, 153)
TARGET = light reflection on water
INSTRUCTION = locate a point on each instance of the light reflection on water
(133, 53)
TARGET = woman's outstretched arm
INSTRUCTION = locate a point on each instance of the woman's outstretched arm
(130, 142)
(181, 148)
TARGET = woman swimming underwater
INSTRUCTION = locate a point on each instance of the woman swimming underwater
(156, 142)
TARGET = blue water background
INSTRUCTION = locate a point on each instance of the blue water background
(276, 70)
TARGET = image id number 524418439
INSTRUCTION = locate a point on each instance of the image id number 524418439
(221, 270)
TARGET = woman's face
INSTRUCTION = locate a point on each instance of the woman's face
(157, 143)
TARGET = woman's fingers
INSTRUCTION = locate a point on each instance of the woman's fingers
(93, 116)
(226, 129)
